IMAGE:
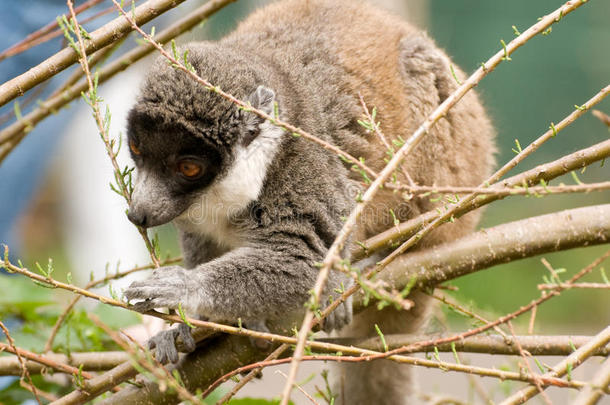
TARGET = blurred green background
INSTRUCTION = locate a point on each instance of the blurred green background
(540, 85)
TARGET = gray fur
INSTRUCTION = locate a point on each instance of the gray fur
(269, 204)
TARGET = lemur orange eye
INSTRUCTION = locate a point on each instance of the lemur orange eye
(134, 148)
(189, 168)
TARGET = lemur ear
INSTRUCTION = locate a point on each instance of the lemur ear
(262, 99)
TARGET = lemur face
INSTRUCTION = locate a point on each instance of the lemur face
(180, 157)
(172, 168)
(185, 139)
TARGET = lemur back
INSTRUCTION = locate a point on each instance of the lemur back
(274, 203)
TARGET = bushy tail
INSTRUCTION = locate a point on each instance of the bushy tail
(379, 382)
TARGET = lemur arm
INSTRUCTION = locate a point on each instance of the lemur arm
(265, 281)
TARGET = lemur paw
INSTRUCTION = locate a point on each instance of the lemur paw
(167, 287)
(165, 343)
(341, 316)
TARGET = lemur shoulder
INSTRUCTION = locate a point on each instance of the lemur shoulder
(256, 207)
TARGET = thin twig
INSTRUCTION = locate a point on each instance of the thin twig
(25, 374)
(145, 360)
(102, 126)
(544, 172)
(594, 391)
(569, 363)
(536, 377)
(465, 311)
(539, 345)
(504, 191)
(599, 286)
(309, 397)
(251, 375)
(34, 38)
(49, 343)
(44, 360)
(89, 361)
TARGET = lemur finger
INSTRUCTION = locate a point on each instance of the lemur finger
(144, 306)
(166, 350)
(140, 291)
(153, 291)
(188, 343)
(165, 345)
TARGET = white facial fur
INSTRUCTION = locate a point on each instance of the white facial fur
(211, 214)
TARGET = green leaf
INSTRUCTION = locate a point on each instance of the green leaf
(383, 342)
(183, 316)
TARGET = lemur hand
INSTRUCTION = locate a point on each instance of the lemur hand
(165, 343)
(167, 287)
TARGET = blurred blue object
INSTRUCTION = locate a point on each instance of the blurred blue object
(23, 170)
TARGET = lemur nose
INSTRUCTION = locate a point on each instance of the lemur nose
(137, 217)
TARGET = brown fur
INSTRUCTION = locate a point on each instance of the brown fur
(317, 56)
(401, 72)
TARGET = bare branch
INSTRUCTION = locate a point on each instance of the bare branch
(539, 345)
(593, 392)
(602, 117)
(493, 344)
(103, 36)
(25, 374)
(36, 36)
(501, 244)
(36, 364)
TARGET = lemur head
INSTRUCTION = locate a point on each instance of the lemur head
(185, 139)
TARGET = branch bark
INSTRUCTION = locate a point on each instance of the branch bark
(103, 36)
(537, 345)
(501, 244)
(593, 392)
(93, 361)
(565, 366)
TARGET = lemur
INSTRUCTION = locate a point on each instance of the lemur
(256, 207)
